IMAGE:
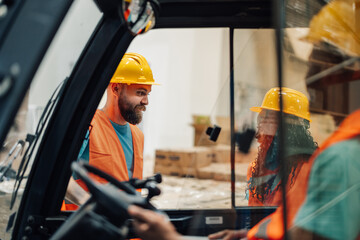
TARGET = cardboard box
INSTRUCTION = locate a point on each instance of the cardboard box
(224, 137)
(182, 161)
(222, 153)
(222, 172)
(162, 157)
(223, 122)
(225, 134)
(246, 158)
(167, 170)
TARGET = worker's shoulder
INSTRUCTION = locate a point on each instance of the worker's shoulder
(98, 115)
(345, 147)
(343, 153)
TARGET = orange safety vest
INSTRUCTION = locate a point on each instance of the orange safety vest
(106, 152)
(253, 200)
(275, 197)
(272, 227)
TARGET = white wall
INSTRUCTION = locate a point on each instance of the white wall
(188, 65)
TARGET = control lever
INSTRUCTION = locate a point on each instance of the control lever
(149, 183)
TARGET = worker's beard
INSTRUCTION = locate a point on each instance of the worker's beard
(131, 113)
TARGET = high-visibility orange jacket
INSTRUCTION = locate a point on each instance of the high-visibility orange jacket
(106, 152)
(275, 197)
(271, 227)
(266, 175)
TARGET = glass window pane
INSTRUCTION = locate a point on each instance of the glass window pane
(192, 68)
(320, 143)
(255, 117)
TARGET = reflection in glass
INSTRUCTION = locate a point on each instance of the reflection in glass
(139, 15)
(264, 177)
(322, 61)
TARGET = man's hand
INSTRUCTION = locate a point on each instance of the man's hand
(151, 225)
(229, 234)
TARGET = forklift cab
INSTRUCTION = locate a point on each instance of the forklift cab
(216, 62)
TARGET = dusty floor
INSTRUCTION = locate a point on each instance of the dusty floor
(192, 193)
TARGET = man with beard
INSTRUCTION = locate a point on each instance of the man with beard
(114, 143)
(263, 173)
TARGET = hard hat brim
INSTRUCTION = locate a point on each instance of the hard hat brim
(258, 109)
(130, 82)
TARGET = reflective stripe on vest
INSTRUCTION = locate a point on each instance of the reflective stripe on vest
(272, 227)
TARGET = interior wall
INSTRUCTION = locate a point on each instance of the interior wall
(188, 63)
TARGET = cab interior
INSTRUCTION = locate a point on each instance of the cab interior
(214, 61)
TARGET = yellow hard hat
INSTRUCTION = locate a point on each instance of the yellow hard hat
(133, 69)
(294, 102)
(338, 23)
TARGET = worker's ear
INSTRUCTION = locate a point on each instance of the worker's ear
(115, 88)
